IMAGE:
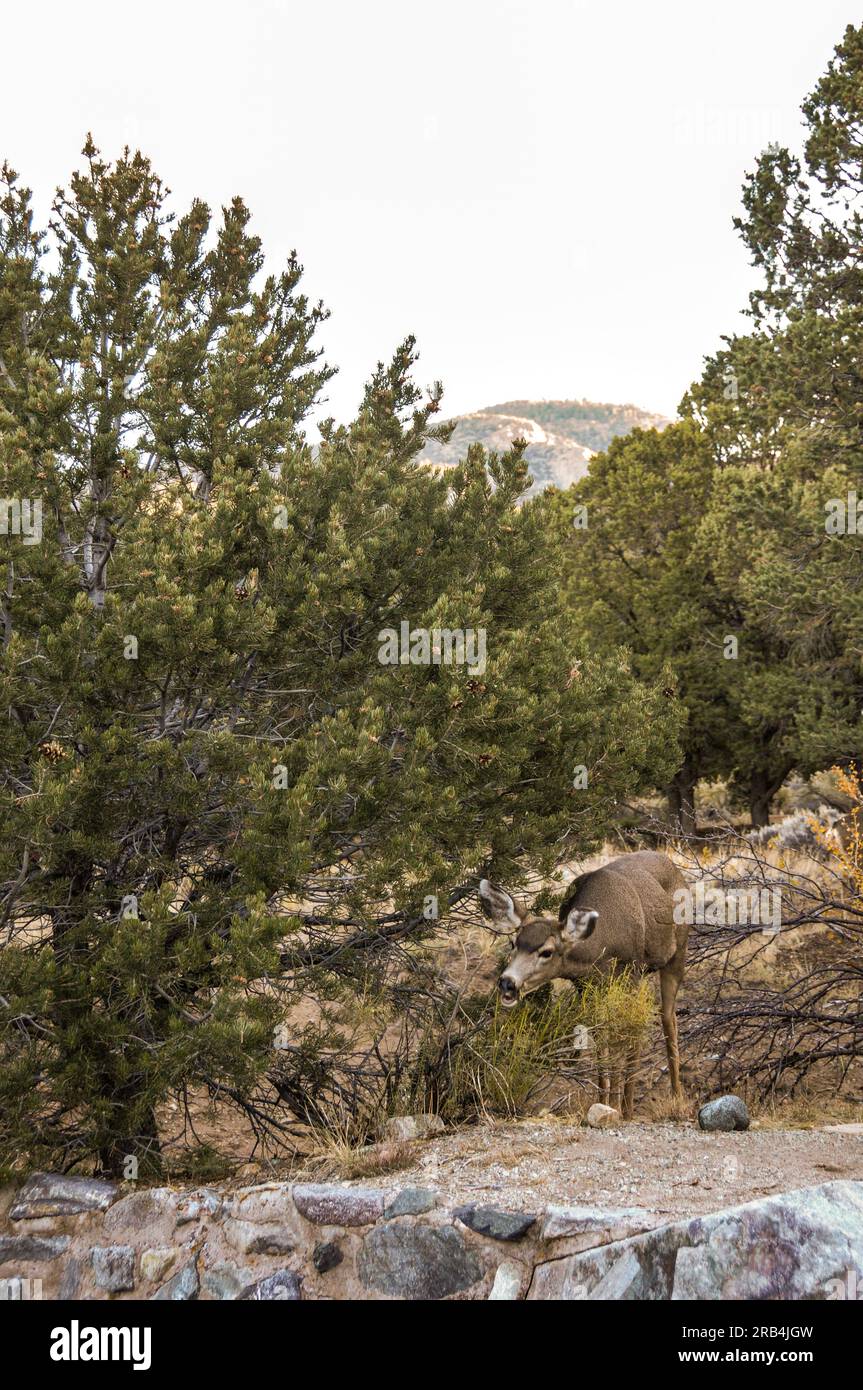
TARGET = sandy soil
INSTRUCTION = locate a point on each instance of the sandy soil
(674, 1168)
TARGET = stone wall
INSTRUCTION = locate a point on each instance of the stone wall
(70, 1238)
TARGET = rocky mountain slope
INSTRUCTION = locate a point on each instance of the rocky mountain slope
(562, 435)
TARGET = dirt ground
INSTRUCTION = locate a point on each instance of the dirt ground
(673, 1169)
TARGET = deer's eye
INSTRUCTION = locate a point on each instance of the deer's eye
(545, 955)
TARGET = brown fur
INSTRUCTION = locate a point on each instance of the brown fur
(633, 902)
(634, 897)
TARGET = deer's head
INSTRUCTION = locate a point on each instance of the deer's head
(541, 943)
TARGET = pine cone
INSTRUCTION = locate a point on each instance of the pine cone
(52, 751)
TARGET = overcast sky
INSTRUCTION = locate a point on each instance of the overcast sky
(540, 190)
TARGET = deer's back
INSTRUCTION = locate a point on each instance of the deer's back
(634, 896)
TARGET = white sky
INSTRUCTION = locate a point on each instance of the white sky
(540, 190)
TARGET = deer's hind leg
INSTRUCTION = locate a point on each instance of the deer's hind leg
(633, 1057)
(603, 1070)
(669, 983)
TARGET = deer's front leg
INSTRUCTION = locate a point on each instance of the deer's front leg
(669, 983)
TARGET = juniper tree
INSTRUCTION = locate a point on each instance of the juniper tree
(216, 796)
(637, 577)
(783, 409)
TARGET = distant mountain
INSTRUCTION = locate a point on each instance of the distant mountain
(562, 435)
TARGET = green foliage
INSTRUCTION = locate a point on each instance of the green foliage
(637, 577)
(217, 802)
(716, 528)
(783, 409)
(497, 1071)
(619, 1009)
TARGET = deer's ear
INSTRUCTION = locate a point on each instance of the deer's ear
(578, 924)
(497, 904)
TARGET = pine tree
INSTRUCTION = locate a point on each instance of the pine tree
(783, 409)
(218, 796)
(638, 578)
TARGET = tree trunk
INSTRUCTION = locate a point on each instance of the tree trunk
(135, 1154)
(759, 800)
(681, 799)
(762, 788)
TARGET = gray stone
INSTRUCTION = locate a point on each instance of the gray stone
(500, 1225)
(224, 1281)
(70, 1280)
(624, 1282)
(270, 1203)
(507, 1282)
(21, 1249)
(113, 1267)
(724, 1113)
(156, 1264)
(150, 1215)
(602, 1116)
(583, 1228)
(417, 1262)
(194, 1205)
(795, 1245)
(331, 1205)
(283, 1287)
(56, 1194)
(411, 1201)
(182, 1288)
(260, 1238)
(403, 1127)
(326, 1255)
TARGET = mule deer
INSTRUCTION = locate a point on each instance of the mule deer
(619, 914)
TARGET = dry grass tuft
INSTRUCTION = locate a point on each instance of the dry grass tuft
(337, 1159)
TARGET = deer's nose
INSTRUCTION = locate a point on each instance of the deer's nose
(507, 987)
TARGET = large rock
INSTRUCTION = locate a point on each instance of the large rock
(327, 1255)
(411, 1201)
(156, 1264)
(725, 1113)
(56, 1194)
(270, 1203)
(795, 1245)
(417, 1262)
(602, 1116)
(499, 1225)
(182, 1288)
(225, 1281)
(412, 1127)
(583, 1228)
(260, 1238)
(70, 1280)
(21, 1249)
(148, 1216)
(508, 1280)
(331, 1205)
(282, 1287)
(196, 1205)
(113, 1267)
